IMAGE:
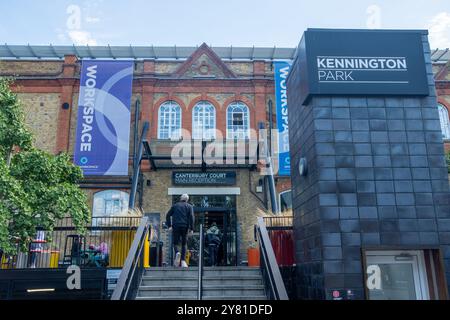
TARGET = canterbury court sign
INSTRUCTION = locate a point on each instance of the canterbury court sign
(362, 62)
(223, 178)
(281, 73)
(103, 125)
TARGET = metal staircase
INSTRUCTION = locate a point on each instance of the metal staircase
(199, 283)
(219, 283)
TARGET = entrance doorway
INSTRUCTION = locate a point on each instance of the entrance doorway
(396, 275)
(220, 209)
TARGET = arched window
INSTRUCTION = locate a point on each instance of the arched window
(169, 121)
(238, 121)
(286, 201)
(204, 121)
(110, 203)
(445, 124)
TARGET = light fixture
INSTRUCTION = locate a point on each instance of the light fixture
(303, 166)
(40, 290)
(404, 257)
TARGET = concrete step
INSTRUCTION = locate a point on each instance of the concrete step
(168, 291)
(169, 281)
(256, 297)
(236, 290)
(163, 298)
(219, 283)
(186, 282)
(232, 280)
(237, 273)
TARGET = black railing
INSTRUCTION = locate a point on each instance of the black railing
(200, 265)
(132, 271)
(273, 282)
(278, 223)
(105, 244)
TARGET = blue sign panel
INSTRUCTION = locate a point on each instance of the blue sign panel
(362, 62)
(103, 128)
(284, 160)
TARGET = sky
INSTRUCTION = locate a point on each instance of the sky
(260, 23)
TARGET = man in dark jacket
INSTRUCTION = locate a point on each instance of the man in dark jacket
(180, 219)
(213, 239)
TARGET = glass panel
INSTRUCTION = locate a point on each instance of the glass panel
(286, 201)
(203, 121)
(223, 213)
(237, 121)
(169, 123)
(445, 124)
(397, 282)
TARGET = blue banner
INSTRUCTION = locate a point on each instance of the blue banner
(284, 160)
(103, 126)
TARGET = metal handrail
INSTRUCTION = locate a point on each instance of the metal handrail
(271, 272)
(129, 278)
(200, 265)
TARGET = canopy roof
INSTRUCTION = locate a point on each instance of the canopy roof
(140, 52)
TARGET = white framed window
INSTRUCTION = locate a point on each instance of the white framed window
(238, 121)
(396, 275)
(285, 200)
(204, 121)
(169, 121)
(110, 203)
(445, 123)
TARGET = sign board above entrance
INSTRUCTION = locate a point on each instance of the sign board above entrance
(224, 178)
(361, 62)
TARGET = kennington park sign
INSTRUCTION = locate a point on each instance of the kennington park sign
(356, 62)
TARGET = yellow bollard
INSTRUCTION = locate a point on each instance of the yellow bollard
(147, 251)
(54, 258)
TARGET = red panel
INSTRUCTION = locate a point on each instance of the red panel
(283, 246)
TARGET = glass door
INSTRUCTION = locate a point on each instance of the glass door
(222, 211)
(396, 275)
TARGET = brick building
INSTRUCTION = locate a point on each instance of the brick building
(227, 89)
(195, 89)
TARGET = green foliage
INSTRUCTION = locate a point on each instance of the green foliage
(13, 132)
(447, 157)
(36, 188)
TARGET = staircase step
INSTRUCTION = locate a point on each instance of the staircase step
(165, 281)
(168, 288)
(244, 281)
(166, 298)
(219, 283)
(256, 297)
(167, 291)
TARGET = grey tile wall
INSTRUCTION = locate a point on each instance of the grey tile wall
(377, 177)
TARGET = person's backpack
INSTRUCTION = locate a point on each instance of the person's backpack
(212, 239)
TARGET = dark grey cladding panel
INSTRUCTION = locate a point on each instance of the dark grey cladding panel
(377, 177)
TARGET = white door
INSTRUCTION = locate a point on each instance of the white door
(402, 275)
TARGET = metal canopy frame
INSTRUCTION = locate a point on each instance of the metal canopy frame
(57, 52)
(140, 52)
(144, 152)
(148, 155)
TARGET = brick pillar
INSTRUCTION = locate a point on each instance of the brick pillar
(149, 66)
(67, 83)
(147, 113)
(259, 68)
(260, 105)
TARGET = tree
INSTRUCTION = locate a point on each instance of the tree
(36, 188)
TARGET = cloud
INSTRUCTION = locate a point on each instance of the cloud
(439, 29)
(92, 19)
(80, 37)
